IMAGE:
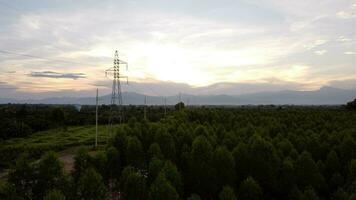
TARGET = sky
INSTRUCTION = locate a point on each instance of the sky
(63, 47)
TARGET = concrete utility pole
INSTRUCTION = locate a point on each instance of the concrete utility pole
(96, 118)
(144, 111)
(180, 100)
(165, 106)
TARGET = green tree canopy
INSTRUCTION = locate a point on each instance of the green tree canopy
(227, 193)
(90, 186)
(250, 190)
(54, 195)
(134, 184)
(134, 152)
(161, 189)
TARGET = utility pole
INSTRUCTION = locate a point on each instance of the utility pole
(165, 106)
(96, 118)
(116, 96)
(144, 109)
(180, 101)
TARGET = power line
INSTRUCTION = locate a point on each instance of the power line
(43, 58)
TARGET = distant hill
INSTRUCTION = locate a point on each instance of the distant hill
(323, 96)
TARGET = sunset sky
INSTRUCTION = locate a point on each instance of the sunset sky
(300, 45)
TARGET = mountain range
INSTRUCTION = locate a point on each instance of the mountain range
(323, 96)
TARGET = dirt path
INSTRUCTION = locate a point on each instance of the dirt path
(68, 162)
(67, 158)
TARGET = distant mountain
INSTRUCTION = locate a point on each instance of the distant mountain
(323, 96)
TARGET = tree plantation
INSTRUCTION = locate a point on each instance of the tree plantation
(226, 153)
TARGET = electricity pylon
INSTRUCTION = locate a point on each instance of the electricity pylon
(116, 111)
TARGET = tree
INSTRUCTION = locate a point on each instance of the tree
(155, 151)
(309, 194)
(306, 171)
(332, 163)
(227, 193)
(339, 194)
(352, 169)
(58, 116)
(8, 191)
(179, 106)
(241, 158)
(81, 163)
(22, 176)
(201, 168)
(286, 177)
(50, 174)
(120, 143)
(166, 143)
(351, 105)
(154, 169)
(54, 195)
(250, 190)
(100, 162)
(91, 186)
(224, 167)
(173, 176)
(161, 189)
(113, 163)
(347, 149)
(194, 197)
(135, 154)
(263, 163)
(134, 184)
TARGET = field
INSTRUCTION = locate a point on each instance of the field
(55, 139)
(59, 138)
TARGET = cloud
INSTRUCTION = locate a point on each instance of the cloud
(6, 87)
(199, 43)
(316, 43)
(350, 53)
(346, 15)
(52, 74)
(344, 39)
(320, 52)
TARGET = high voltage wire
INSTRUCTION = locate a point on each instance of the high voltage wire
(43, 58)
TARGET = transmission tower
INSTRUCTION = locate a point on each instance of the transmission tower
(116, 111)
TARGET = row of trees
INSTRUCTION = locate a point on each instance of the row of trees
(22, 120)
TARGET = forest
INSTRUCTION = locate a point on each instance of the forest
(226, 153)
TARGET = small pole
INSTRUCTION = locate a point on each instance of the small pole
(180, 100)
(165, 106)
(96, 118)
(144, 114)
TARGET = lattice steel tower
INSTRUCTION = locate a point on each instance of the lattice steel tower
(116, 111)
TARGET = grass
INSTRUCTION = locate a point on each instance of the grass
(55, 139)
(73, 136)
